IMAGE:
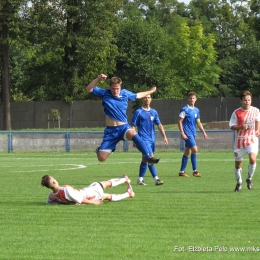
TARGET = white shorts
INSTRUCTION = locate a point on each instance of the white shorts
(93, 192)
(240, 153)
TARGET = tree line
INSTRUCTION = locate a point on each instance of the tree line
(51, 49)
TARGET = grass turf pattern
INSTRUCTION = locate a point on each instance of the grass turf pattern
(186, 218)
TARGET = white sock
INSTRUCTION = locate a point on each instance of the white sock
(115, 182)
(117, 197)
(140, 179)
(156, 178)
(238, 175)
(251, 171)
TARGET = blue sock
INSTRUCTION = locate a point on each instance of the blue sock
(152, 169)
(141, 146)
(142, 169)
(193, 158)
(184, 162)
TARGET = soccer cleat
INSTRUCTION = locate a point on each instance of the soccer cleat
(141, 183)
(158, 182)
(152, 161)
(127, 181)
(238, 187)
(130, 191)
(249, 184)
(183, 174)
(196, 174)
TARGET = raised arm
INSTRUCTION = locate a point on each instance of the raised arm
(145, 93)
(93, 83)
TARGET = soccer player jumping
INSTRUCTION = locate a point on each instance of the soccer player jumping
(115, 102)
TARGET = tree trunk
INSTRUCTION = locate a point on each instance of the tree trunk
(5, 79)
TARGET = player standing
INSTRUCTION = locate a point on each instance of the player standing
(189, 117)
(144, 119)
(245, 121)
(115, 102)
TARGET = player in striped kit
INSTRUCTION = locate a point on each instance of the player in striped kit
(92, 194)
(245, 121)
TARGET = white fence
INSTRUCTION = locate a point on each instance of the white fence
(19, 141)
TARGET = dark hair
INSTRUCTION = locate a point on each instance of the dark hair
(245, 93)
(46, 181)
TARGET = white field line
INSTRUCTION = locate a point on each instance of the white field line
(108, 162)
(76, 166)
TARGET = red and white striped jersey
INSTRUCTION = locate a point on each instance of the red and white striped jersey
(69, 195)
(245, 137)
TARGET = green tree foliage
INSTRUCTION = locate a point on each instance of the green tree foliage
(56, 47)
(8, 26)
(247, 69)
(68, 42)
(228, 22)
(143, 59)
(176, 64)
(193, 58)
(254, 17)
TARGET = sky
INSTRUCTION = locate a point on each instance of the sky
(184, 1)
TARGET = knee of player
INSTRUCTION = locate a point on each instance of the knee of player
(101, 159)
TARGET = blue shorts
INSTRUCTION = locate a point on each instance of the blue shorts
(190, 142)
(112, 135)
(150, 147)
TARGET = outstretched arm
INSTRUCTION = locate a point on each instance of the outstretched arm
(93, 83)
(145, 93)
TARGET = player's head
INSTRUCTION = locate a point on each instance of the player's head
(115, 85)
(245, 93)
(246, 99)
(192, 98)
(147, 100)
(48, 181)
(191, 94)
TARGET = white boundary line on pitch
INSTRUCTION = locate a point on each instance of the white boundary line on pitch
(78, 166)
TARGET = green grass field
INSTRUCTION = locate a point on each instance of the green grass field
(171, 221)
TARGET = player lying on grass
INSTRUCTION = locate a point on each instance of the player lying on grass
(92, 194)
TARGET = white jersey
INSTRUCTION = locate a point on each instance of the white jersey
(69, 195)
(245, 137)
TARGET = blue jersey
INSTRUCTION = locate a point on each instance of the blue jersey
(145, 119)
(115, 106)
(190, 116)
